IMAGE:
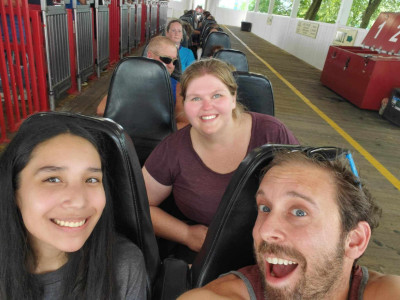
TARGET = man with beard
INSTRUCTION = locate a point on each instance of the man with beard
(314, 222)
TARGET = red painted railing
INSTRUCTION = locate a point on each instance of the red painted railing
(23, 68)
(19, 67)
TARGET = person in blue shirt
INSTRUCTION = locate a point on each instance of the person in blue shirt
(78, 2)
(175, 34)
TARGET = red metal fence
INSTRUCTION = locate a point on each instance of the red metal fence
(21, 65)
(23, 61)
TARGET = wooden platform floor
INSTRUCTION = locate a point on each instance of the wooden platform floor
(377, 136)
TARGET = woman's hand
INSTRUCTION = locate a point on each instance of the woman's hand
(196, 236)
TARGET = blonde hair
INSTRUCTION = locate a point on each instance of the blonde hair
(159, 42)
(218, 69)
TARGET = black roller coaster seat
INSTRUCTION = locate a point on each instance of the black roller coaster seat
(128, 192)
(229, 244)
(140, 100)
(235, 57)
(255, 92)
(215, 39)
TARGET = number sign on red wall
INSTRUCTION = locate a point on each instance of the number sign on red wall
(384, 35)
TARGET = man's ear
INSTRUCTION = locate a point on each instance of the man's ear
(150, 54)
(357, 240)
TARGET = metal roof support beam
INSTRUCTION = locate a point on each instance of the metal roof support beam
(344, 12)
(295, 9)
(256, 7)
(271, 7)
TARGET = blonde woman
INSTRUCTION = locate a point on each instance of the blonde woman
(197, 162)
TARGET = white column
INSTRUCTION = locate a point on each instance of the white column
(344, 12)
(271, 7)
(257, 5)
(295, 8)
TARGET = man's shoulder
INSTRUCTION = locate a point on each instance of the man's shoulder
(226, 287)
(382, 286)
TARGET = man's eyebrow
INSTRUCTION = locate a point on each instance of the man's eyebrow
(291, 194)
(302, 196)
(259, 193)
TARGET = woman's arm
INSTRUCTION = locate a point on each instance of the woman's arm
(167, 226)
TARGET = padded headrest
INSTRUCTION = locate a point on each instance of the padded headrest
(255, 92)
(140, 100)
(215, 39)
(128, 193)
(234, 57)
(229, 244)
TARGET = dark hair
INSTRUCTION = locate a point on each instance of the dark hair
(89, 270)
(354, 200)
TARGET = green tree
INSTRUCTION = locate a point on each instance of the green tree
(303, 8)
(262, 6)
(327, 11)
(368, 12)
(312, 11)
(282, 7)
(360, 6)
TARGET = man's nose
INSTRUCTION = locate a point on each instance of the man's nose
(272, 228)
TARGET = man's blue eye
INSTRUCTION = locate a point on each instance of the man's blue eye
(196, 99)
(264, 208)
(299, 212)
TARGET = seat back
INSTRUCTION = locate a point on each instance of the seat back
(189, 19)
(204, 24)
(205, 31)
(127, 189)
(255, 92)
(140, 100)
(215, 39)
(229, 244)
(234, 57)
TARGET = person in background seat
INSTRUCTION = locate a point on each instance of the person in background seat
(175, 33)
(314, 222)
(197, 162)
(78, 2)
